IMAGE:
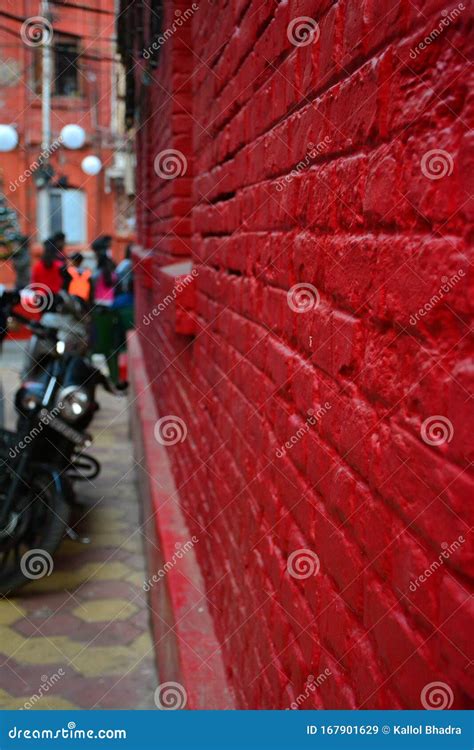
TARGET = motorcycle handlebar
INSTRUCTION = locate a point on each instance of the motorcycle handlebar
(8, 300)
(35, 326)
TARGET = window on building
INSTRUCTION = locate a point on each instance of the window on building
(66, 73)
(67, 213)
(65, 64)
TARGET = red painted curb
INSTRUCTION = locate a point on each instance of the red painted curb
(186, 647)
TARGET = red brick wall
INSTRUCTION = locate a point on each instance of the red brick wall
(365, 223)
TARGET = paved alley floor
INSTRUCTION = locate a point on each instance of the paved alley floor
(81, 637)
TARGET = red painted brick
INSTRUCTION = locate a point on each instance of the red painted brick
(360, 222)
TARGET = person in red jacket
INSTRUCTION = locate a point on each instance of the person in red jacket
(48, 271)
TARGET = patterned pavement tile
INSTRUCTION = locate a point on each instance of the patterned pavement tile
(80, 638)
(105, 610)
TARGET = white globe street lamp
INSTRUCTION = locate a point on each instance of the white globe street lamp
(8, 138)
(73, 136)
(91, 165)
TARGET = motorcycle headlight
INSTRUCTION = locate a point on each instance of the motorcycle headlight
(73, 402)
(30, 397)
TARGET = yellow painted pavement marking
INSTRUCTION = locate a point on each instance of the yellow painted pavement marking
(52, 702)
(105, 610)
(10, 612)
(90, 661)
(72, 579)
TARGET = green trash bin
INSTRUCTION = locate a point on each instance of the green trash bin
(107, 337)
(126, 323)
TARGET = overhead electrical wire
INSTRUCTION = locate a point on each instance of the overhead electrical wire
(20, 19)
(64, 4)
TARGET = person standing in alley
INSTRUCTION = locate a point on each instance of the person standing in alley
(48, 271)
(59, 241)
(78, 279)
(106, 322)
(105, 277)
(123, 302)
(125, 273)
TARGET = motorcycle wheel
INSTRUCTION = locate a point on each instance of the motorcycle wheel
(33, 534)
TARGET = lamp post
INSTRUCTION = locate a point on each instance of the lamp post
(46, 77)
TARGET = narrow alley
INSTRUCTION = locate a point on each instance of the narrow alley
(80, 638)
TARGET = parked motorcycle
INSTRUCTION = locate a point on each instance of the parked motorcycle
(40, 462)
(63, 338)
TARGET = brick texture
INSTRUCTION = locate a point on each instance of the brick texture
(307, 163)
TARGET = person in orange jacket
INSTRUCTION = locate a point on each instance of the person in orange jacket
(80, 284)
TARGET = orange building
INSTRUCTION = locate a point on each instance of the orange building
(86, 80)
